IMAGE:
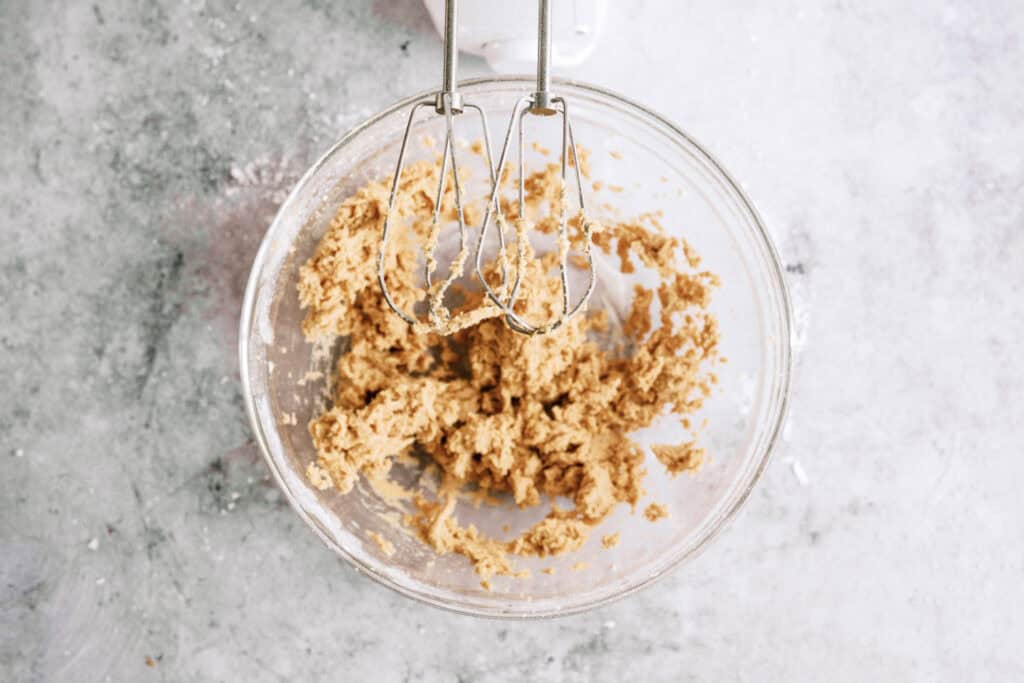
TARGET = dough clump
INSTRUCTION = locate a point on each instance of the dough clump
(503, 413)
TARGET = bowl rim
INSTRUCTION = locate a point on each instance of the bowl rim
(725, 517)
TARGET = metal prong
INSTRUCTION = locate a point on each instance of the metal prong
(493, 206)
(430, 262)
(588, 243)
(386, 230)
(435, 305)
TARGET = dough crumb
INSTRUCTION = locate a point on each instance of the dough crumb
(552, 536)
(318, 477)
(580, 566)
(686, 457)
(386, 546)
(610, 540)
(655, 511)
(692, 257)
(548, 570)
(311, 376)
(438, 528)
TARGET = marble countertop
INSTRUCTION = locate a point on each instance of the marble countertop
(143, 150)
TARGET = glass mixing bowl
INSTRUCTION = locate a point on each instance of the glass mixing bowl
(659, 167)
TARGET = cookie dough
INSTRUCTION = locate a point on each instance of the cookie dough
(533, 418)
(655, 511)
(386, 546)
(685, 457)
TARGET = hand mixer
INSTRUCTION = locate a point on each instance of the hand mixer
(449, 103)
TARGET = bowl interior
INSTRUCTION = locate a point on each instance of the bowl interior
(654, 167)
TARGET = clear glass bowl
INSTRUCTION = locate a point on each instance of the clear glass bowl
(659, 168)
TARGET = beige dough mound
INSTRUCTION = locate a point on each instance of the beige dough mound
(531, 417)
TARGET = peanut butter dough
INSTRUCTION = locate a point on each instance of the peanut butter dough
(530, 417)
(686, 457)
(655, 511)
(386, 546)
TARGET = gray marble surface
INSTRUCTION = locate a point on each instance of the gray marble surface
(143, 149)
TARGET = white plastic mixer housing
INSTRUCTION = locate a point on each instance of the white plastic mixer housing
(505, 33)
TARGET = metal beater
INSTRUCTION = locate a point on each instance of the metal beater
(543, 103)
(448, 102)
